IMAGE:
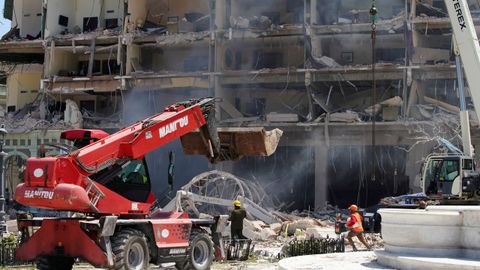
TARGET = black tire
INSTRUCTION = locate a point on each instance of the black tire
(200, 252)
(55, 263)
(131, 250)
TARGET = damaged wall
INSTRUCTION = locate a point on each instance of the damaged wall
(260, 53)
(349, 49)
(82, 16)
(171, 13)
(189, 58)
(23, 85)
(27, 16)
(67, 63)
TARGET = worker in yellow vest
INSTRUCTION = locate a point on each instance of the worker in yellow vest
(354, 224)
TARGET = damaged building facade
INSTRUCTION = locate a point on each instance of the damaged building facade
(304, 66)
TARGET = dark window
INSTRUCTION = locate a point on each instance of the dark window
(14, 142)
(63, 20)
(228, 58)
(111, 23)
(111, 11)
(274, 16)
(39, 141)
(196, 63)
(293, 5)
(238, 104)
(238, 60)
(467, 164)
(11, 108)
(110, 67)
(7, 142)
(267, 60)
(256, 107)
(90, 24)
(88, 105)
(8, 9)
(83, 67)
(29, 142)
(46, 141)
(22, 142)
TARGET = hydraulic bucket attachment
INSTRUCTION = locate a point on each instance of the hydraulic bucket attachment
(232, 143)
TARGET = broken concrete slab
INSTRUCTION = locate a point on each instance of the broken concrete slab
(344, 117)
(282, 118)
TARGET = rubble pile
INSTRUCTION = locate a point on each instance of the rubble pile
(33, 117)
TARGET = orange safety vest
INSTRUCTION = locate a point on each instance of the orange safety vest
(357, 226)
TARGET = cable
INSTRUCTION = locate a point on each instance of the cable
(373, 17)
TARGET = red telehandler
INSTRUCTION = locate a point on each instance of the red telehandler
(104, 180)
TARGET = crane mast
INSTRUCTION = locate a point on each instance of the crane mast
(467, 47)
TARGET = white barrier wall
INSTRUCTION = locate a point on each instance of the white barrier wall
(438, 231)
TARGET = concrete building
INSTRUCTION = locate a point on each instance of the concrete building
(304, 66)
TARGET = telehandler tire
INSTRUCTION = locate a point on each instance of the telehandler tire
(55, 263)
(200, 252)
(131, 250)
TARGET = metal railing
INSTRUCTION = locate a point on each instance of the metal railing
(8, 247)
(238, 249)
(314, 246)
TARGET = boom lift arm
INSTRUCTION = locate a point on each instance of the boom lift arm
(65, 183)
(467, 47)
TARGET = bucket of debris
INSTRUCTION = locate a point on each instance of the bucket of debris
(238, 249)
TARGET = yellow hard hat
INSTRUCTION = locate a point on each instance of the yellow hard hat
(237, 203)
(353, 208)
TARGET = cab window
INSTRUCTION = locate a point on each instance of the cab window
(468, 165)
(449, 170)
(133, 172)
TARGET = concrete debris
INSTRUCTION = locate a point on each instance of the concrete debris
(239, 22)
(73, 116)
(258, 230)
(327, 62)
(94, 120)
(395, 101)
(181, 39)
(262, 22)
(257, 22)
(282, 117)
(425, 8)
(30, 118)
(345, 117)
(373, 110)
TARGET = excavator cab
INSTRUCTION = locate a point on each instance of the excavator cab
(443, 175)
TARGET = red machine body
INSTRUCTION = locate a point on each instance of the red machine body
(93, 180)
(63, 183)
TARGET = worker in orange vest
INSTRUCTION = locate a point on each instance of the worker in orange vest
(354, 224)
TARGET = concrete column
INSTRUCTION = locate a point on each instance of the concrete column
(413, 166)
(321, 176)
(220, 16)
(313, 12)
